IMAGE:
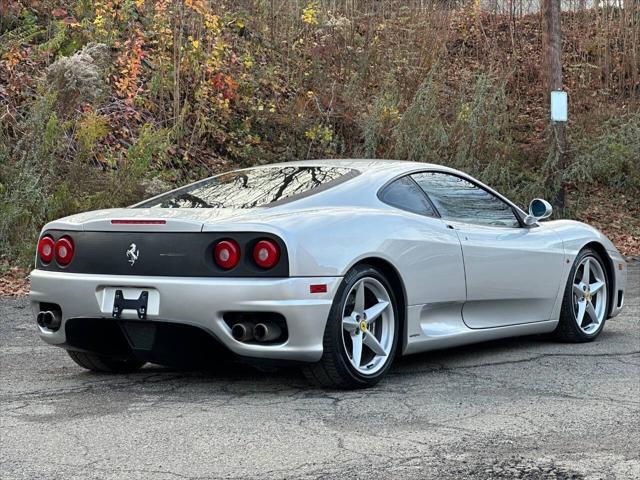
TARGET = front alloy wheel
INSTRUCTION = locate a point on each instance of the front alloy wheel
(585, 302)
(361, 335)
(589, 295)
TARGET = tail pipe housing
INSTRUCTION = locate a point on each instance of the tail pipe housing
(257, 327)
(267, 332)
(49, 319)
(242, 331)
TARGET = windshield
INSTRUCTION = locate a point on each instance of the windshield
(252, 188)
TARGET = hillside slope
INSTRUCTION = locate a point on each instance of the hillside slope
(105, 102)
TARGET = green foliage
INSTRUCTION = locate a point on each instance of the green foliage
(21, 34)
(481, 130)
(612, 158)
(27, 169)
(482, 139)
(41, 181)
(379, 123)
(421, 133)
(177, 90)
(57, 39)
(89, 129)
(472, 134)
(151, 144)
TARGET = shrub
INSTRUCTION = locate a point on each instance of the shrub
(421, 134)
(612, 158)
(79, 78)
(27, 169)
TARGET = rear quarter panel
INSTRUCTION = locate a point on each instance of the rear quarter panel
(329, 241)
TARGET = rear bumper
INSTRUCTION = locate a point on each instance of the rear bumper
(199, 302)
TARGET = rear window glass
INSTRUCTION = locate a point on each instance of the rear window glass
(252, 188)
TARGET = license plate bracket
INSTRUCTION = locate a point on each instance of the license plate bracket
(138, 304)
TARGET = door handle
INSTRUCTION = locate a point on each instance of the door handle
(450, 226)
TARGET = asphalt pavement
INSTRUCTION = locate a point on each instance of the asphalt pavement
(520, 408)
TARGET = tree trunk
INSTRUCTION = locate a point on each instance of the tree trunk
(552, 41)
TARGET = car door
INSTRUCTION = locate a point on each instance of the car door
(512, 272)
(427, 252)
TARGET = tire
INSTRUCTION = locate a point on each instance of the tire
(99, 363)
(568, 329)
(337, 367)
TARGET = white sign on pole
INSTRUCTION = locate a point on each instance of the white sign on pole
(559, 106)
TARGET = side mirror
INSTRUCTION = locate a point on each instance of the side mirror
(539, 209)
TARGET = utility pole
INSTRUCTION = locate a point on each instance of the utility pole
(552, 43)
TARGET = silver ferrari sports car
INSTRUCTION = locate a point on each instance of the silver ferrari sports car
(336, 265)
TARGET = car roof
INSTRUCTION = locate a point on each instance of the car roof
(364, 165)
(378, 172)
(373, 174)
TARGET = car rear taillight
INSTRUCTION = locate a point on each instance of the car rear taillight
(266, 253)
(64, 250)
(45, 249)
(227, 254)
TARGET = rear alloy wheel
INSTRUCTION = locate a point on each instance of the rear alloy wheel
(361, 335)
(99, 363)
(584, 307)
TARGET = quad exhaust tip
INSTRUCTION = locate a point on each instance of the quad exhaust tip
(50, 320)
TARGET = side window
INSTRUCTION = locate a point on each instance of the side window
(460, 200)
(403, 193)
